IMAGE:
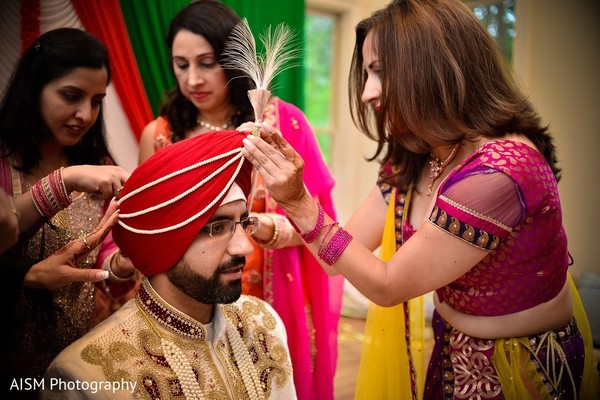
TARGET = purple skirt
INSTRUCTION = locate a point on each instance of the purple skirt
(461, 366)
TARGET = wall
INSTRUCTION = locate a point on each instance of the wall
(354, 176)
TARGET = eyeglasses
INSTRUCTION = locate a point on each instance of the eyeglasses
(227, 227)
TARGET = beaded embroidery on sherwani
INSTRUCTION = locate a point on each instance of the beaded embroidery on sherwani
(132, 351)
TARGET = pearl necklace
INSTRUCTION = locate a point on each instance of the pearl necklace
(182, 368)
(212, 127)
(244, 362)
(437, 166)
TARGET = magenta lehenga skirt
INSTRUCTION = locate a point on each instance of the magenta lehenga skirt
(464, 367)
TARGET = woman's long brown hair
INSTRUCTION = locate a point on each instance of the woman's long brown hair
(444, 80)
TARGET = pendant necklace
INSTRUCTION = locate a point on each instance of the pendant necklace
(437, 166)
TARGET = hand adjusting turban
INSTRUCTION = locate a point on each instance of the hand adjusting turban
(171, 196)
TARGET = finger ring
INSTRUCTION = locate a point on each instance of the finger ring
(16, 212)
(85, 244)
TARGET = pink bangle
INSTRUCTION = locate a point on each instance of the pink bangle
(330, 226)
(312, 235)
(335, 247)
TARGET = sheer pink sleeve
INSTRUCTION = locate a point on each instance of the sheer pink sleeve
(493, 194)
(481, 208)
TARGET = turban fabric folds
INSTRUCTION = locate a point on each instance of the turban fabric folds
(172, 195)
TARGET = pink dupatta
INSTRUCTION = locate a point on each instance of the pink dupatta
(312, 328)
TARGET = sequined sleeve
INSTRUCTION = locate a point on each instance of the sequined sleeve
(480, 207)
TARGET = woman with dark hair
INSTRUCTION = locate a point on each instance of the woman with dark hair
(55, 163)
(466, 205)
(223, 101)
(280, 270)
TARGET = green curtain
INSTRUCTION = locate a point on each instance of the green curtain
(147, 23)
(289, 85)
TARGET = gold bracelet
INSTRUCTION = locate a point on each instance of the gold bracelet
(114, 276)
(275, 232)
(273, 239)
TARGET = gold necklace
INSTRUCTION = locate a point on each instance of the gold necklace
(212, 127)
(437, 166)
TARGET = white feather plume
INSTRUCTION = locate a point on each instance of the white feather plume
(240, 50)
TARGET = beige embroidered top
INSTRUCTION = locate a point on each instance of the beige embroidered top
(124, 357)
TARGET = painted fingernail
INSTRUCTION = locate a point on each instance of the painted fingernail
(103, 275)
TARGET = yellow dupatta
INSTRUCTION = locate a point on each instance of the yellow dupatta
(384, 363)
(590, 384)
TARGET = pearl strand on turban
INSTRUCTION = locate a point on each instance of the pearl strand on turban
(237, 157)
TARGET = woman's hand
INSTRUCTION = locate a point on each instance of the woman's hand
(60, 269)
(121, 267)
(248, 127)
(275, 231)
(105, 180)
(279, 164)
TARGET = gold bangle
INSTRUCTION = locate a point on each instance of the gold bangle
(273, 239)
(114, 276)
(275, 232)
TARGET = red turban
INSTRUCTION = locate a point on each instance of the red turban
(170, 197)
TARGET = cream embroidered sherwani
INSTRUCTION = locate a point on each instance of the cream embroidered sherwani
(122, 358)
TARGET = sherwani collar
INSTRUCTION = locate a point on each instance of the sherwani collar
(173, 320)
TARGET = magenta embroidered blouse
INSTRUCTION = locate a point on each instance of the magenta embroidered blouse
(504, 199)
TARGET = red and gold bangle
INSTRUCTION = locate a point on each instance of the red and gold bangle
(50, 194)
(40, 200)
(58, 188)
